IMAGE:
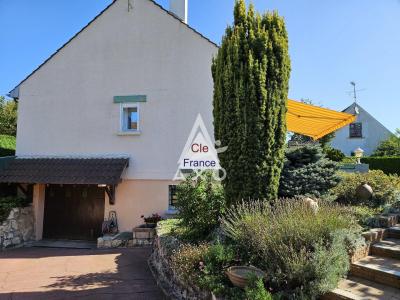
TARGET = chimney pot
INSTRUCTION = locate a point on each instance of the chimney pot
(180, 9)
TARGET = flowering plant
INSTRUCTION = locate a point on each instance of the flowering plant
(154, 218)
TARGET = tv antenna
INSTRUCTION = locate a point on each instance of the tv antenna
(354, 91)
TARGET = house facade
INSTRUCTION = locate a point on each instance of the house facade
(122, 96)
(366, 132)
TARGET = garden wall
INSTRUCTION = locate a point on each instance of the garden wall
(166, 278)
(389, 165)
(17, 228)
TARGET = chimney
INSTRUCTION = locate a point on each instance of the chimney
(180, 9)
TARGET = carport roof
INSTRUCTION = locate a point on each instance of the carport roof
(106, 171)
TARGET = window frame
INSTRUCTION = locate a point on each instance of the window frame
(170, 187)
(123, 106)
(352, 131)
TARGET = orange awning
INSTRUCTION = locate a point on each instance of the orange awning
(314, 121)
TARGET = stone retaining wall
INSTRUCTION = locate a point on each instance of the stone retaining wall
(17, 229)
(166, 278)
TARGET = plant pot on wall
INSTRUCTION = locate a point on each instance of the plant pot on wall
(142, 232)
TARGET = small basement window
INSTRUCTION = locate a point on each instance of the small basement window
(172, 196)
(355, 130)
(130, 117)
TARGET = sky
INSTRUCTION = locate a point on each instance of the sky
(332, 42)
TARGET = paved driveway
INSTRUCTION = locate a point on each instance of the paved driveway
(49, 273)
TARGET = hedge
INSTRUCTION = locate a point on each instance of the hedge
(7, 145)
(6, 152)
(389, 165)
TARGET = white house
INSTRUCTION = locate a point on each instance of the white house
(366, 132)
(103, 121)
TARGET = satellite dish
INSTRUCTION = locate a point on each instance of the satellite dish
(357, 110)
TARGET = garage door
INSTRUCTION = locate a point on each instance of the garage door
(73, 212)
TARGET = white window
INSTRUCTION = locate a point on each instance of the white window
(130, 119)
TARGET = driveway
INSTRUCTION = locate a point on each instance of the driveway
(50, 273)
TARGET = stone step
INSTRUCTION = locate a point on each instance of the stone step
(378, 269)
(387, 221)
(375, 235)
(394, 232)
(387, 248)
(356, 288)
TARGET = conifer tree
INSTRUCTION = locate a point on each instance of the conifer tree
(308, 172)
(251, 76)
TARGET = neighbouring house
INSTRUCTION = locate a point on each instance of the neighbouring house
(366, 132)
(103, 121)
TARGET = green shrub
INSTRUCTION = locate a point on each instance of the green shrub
(7, 145)
(390, 146)
(386, 188)
(8, 203)
(204, 266)
(349, 160)
(389, 165)
(334, 154)
(216, 260)
(301, 251)
(186, 261)
(365, 215)
(307, 172)
(256, 290)
(200, 204)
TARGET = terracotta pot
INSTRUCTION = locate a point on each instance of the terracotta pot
(364, 191)
(238, 275)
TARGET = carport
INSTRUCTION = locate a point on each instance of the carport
(69, 193)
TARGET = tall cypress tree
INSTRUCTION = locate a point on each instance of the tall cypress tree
(251, 76)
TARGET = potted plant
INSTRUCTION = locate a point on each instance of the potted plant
(151, 221)
(143, 234)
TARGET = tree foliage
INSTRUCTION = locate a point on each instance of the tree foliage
(307, 172)
(389, 147)
(251, 76)
(200, 204)
(8, 117)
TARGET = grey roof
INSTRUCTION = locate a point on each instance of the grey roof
(14, 93)
(63, 170)
(351, 109)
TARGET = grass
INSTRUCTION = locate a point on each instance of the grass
(168, 227)
(7, 145)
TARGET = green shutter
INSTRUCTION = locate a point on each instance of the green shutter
(130, 98)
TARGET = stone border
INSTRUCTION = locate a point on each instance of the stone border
(17, 229)
(166, 278)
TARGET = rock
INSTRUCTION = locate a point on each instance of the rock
(107, 243)
(14, 224)
(11, 215)
(100, 242)
(17, 228)
(312, 204)
(16, 241)
(27, 233)
(26, 210)
(116, 243)
(6, 243)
